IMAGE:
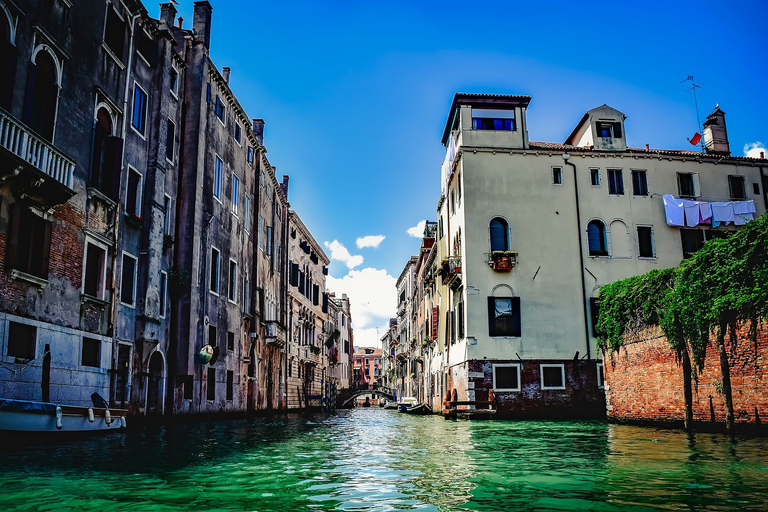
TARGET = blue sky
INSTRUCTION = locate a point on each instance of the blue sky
(355, 97)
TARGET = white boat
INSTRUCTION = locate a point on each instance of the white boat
(30, 416)
(406, 403)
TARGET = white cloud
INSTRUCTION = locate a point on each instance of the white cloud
(370, 337)
(339, 252)
(369, 241)
(753, 150)
(371, 293)
(418, 229)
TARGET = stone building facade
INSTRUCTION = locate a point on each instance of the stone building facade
(143, 232)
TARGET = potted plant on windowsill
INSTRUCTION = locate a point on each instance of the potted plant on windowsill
(503, 261)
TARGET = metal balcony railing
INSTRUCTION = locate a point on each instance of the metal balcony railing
(27, 145)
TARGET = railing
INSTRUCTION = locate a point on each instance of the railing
(450, 270)
(24, 143)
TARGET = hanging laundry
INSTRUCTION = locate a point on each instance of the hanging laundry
(673, 208)
(705, 212)
(692, 213)
(742, 218)
(741, 207)
(722, 213)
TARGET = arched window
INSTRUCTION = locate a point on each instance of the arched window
(41, 95)
(499, 234)
(8, 57)
(105, 157)
(596, 238)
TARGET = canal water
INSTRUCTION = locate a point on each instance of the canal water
(372, 459)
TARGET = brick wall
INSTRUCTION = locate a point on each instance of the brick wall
(644, 380)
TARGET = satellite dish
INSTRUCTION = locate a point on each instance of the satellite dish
(206, 354)
(215, 356)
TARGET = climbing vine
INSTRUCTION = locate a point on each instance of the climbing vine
(723, 283)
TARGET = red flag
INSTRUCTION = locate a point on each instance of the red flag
(695, 139)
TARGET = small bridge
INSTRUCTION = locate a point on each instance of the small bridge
(345, 399)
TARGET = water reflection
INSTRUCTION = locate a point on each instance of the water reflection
(371, 459)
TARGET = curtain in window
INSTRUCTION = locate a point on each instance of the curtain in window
(596, 236)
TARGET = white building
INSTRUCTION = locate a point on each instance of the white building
(528, 232)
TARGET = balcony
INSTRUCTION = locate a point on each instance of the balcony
(48, 171)
(502, 261)
(274, 334)
(450, 270)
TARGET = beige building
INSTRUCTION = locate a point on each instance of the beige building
(528, 232)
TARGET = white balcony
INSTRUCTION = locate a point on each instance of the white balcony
(33, 149)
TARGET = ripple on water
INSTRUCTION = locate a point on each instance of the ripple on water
(375, 460)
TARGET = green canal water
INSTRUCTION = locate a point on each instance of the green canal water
(371, 459)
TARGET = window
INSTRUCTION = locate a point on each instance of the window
(210, 393)
(238, 134)
(460, 319)
(90, 356)
(756, 189)
(269, 240)
(167, 227)
(214, 270)
(499, 234)
(212, 338)
(41, 98)
(608, 130)
(230, 340)
(269, 191)
(174, 81)
(235, 193)
(639, 183)
(615, 182)
(232, 291)
(596, 238)
(504, 316)
(483, 119)
(600, 376)
(249, 155)
(94, 277)
(133, 193)
(246, 302)
(594, 311)
(163, 292)
(217, 177)
(594, 177)
(106, 156)
(506, 377)
(262, 179)
(688, 184)
(552, 376)
(261, 232)
(557, 175)
(645, 242)
(221, 110)
(145, 46)
(114, 33)
(736, 187)
(247, 215)
(170, 140)
(29, 242)
(187, 381)
(128, 280)
(22, 340)
(139, 119)
(230, 385)
(693, 240)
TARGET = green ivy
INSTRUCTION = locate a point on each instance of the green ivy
(723, 283)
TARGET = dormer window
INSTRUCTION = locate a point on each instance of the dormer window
(502, 120)
(608, 130)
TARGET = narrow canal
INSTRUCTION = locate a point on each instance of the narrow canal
(371, 459)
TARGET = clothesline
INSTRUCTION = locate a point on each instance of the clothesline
(686, 212)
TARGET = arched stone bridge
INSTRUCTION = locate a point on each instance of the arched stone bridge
(346, 398)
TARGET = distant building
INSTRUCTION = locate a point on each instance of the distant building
(367, 367)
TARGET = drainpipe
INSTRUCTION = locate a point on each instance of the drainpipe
(113, 311)
(566, 159)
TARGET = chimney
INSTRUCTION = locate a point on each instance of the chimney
(226, 72)
(715, 134)
(168, 13)
(201, 23)
(284, 185)
(180, 21)
(258, 130)
(647, 147)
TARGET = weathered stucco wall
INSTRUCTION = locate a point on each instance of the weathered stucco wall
(644, 380)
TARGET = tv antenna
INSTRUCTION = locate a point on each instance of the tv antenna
(693, 88)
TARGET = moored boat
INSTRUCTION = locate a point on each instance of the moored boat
(417, 409)
(406, 403)
(31, 416)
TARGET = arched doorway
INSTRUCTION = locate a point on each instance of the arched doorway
(156, 384)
